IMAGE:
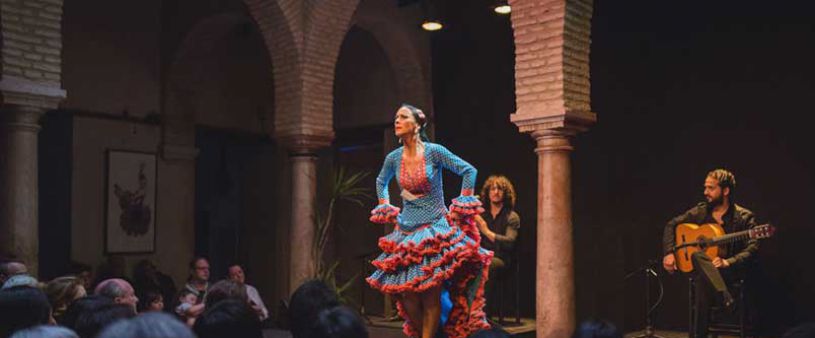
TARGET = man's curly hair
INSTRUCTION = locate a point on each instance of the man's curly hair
(503, 183)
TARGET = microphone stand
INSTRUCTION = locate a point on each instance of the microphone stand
(649, 309)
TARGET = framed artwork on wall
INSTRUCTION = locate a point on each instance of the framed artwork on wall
(130, 211)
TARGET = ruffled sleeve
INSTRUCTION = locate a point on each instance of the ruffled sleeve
(384, 214)
(466, 205)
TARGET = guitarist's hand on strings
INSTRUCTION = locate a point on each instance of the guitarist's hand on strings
(720, 263)
(669, 263)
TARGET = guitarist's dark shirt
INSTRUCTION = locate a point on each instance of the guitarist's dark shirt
(735, 219)
(505, 225)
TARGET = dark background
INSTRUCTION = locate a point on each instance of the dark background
(679, 89)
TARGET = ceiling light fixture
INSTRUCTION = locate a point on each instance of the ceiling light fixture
(503, 8)
(431, 22)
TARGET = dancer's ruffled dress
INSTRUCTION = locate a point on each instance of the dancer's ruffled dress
(428, 248)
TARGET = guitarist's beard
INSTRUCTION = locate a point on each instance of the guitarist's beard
(715, 201)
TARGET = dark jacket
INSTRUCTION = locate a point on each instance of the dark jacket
(735, 219)
(505, 226)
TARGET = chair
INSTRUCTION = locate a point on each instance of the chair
(719, 323)
(512, 269)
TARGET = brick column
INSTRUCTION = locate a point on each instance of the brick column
(552, 96)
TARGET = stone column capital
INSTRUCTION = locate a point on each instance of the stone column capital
(305, 144)
(567, 121)
(23, 92)
(553, 140)
(20, 117)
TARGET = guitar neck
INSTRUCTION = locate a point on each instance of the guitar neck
(730, 238)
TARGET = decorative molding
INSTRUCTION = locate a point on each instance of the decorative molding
(305, 143)
(19, 91)
(577, 121)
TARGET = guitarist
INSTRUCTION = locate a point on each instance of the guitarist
(713, 275)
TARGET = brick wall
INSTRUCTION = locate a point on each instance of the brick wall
(32, 40)
(552, 55)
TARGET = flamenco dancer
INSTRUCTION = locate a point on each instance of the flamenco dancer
(432, 255)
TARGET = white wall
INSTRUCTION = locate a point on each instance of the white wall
(174, 235)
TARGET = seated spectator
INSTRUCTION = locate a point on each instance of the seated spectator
(225, 289)
(46, 331)
(306, 303)
(339, 322)
(186, 303)
(83, 272)
(119, 291)
(62, 292)
(90, 323)
(21, 280)
(237, 275)
(228, 318)
(151, 300)
(198, 280)
(10, 267)
(198, 285)
(22, 307)
(150, 325)
(147, 278)
(80, 306)
(597, 328)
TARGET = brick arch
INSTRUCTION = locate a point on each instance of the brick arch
(202, 39)
(280, 23)
(403, 56)
(328, 23)
(205, 36)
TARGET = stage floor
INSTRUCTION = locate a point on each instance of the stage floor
(378, 327)
(382, 329)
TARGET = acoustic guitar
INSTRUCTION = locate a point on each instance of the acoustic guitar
(691, 238)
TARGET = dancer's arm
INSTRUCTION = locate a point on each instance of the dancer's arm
(439, 154)
(384, 212)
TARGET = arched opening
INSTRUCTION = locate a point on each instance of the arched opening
(220, 97)
(365, 98)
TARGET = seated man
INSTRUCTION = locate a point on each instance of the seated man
(498, 225)
(119, 291)
(11, 267)
(714, 275)
(237, 275)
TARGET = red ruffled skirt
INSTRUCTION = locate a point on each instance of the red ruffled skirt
(445, 253)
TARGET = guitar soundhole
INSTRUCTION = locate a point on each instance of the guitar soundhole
(685, 250)
(702, 240)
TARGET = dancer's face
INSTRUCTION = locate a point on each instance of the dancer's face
(404, 124)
